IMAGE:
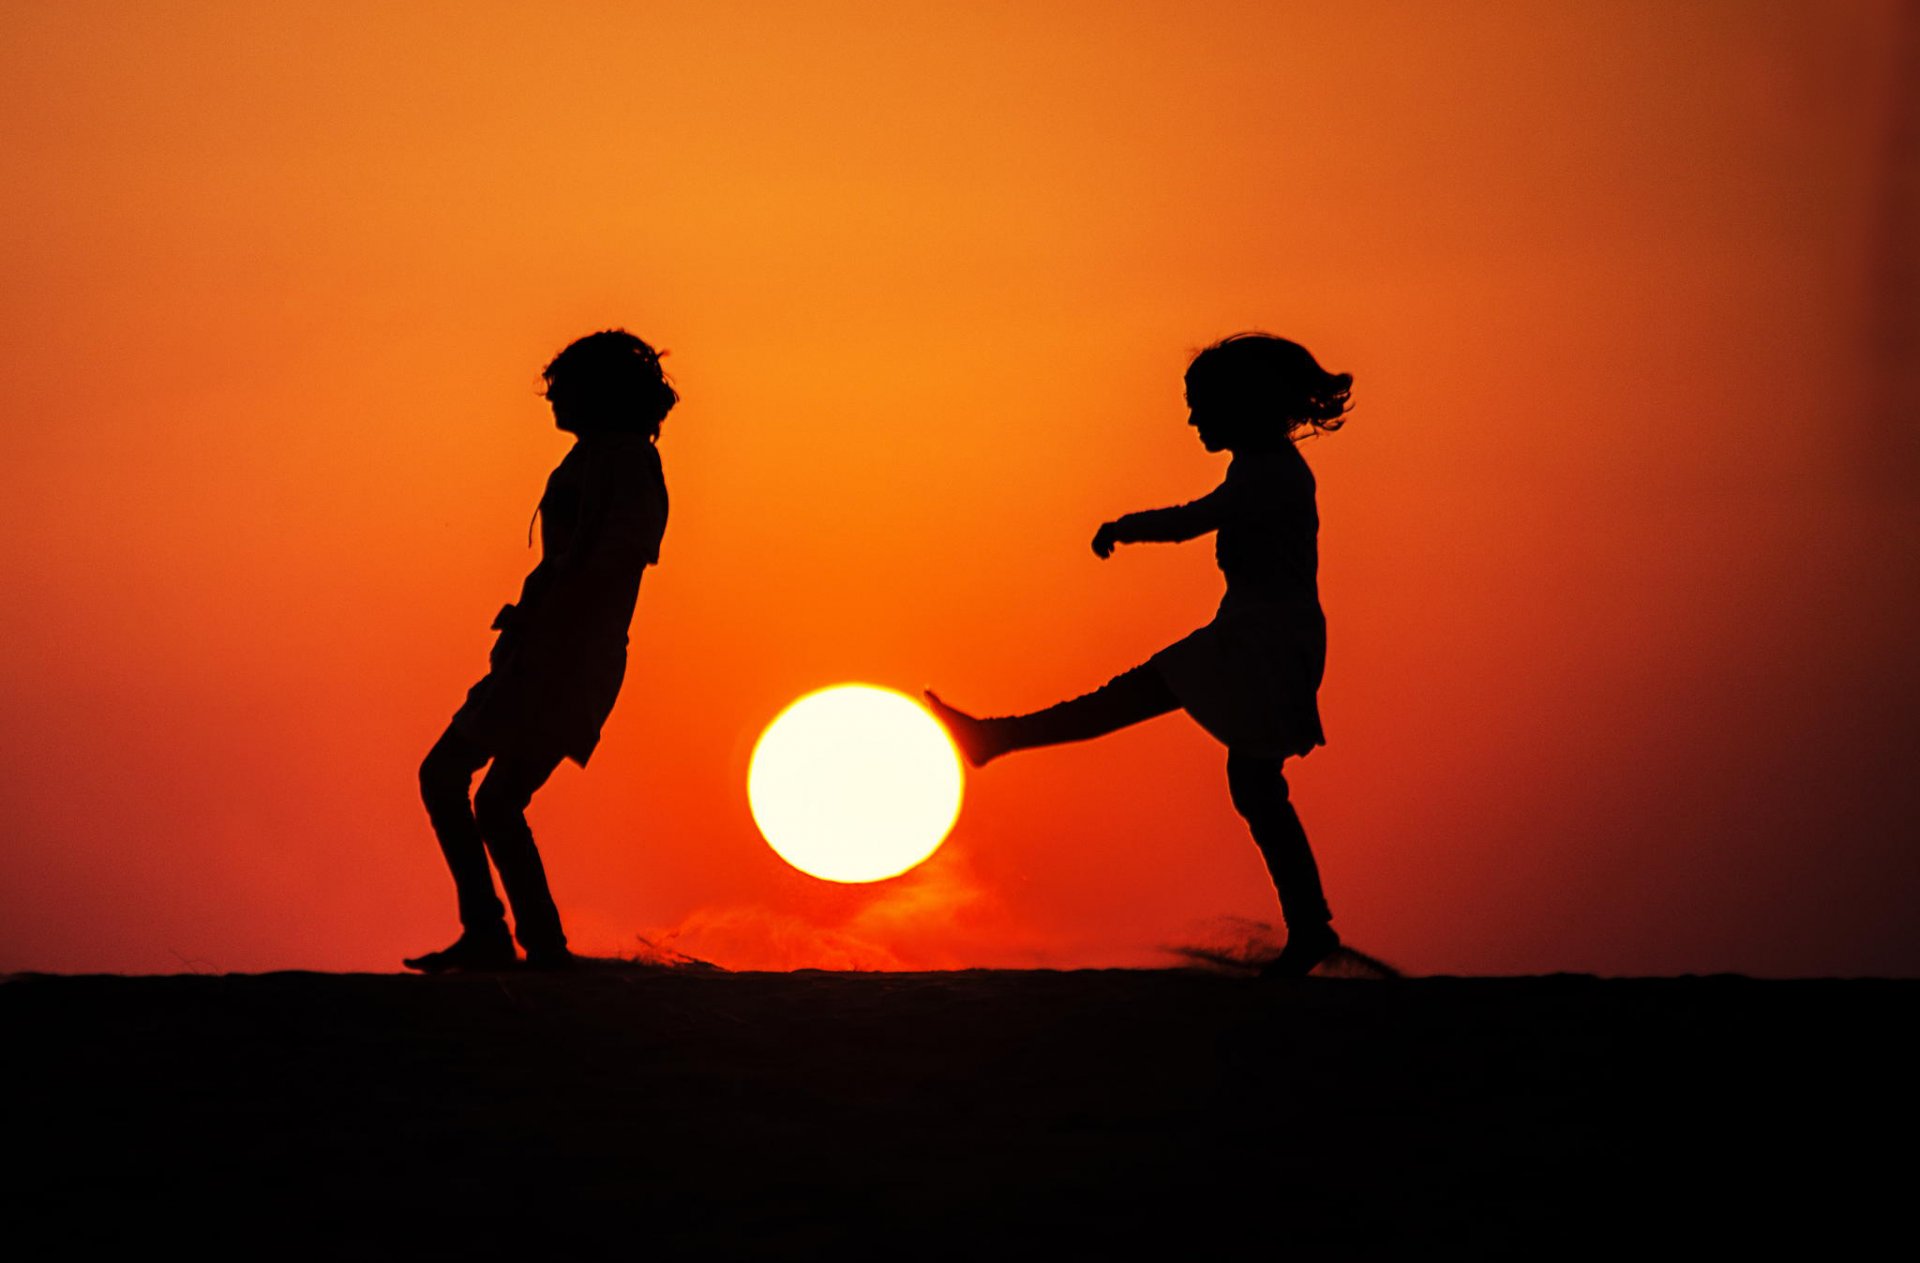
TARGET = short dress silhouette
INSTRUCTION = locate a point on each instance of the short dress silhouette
(1251, 677)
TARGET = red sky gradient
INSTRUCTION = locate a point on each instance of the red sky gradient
(1620, 551)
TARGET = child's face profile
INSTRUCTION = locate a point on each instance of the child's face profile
(1212, 417)
(573, 414)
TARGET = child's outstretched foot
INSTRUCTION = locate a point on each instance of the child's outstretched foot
(975, 737)
(469, 952)
(1306, 947)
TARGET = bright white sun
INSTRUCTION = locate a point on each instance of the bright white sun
(854, 783)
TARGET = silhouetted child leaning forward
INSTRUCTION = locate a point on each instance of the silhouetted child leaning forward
(1251, 676)
(561, 653)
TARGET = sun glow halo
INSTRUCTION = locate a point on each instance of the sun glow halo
(854, 783)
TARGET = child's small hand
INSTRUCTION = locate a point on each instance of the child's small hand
(1104, 540)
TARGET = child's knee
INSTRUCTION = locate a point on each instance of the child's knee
(1256, 785)
(446, 774)
(442, 779)
(496, 805)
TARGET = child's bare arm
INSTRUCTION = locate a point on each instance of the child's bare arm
(1162, 526)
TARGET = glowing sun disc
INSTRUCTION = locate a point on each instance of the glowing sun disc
(854, 783)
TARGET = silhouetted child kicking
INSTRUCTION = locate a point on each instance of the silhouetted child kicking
(1250, 677)
(561, 653)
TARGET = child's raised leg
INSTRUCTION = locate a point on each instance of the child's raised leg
(1128, 698)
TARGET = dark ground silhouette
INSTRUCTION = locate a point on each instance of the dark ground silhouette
(678, 1113)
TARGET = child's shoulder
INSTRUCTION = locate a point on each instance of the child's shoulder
(616, 449)
(1277, 464)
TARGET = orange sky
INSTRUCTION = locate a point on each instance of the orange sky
(1620, 551)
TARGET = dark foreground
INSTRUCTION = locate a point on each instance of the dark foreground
(645, 1113)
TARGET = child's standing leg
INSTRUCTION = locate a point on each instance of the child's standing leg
(446, 782)
(499, 809)
(1259, 792)
(491, 822)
